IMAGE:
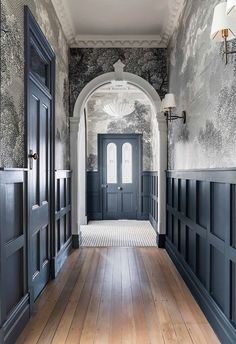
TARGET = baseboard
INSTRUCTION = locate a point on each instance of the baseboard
(221, 325)
(153, 222)
(143, 216)
(16, 322)
(59, 260)
(76, 240)
(94, 216)
(161, 240)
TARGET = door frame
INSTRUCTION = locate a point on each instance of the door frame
(139, 137)
(32, 28)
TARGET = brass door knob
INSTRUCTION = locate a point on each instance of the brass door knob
(34, 156)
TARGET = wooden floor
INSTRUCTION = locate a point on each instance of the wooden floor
(117, 295)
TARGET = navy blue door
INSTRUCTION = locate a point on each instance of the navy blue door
(40, 158)
(120, 176)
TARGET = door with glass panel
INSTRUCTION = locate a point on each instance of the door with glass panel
(120, 166)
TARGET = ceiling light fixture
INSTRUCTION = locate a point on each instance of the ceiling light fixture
(119, 108)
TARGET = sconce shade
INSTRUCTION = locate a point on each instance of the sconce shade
(170, 101)
(222, 22)
(163, 107)
(231, 8)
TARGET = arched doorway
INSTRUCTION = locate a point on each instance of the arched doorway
(78, 148)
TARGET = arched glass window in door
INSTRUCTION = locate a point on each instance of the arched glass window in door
(127, 168)
(111, 163)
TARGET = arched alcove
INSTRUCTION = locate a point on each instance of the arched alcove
(78, 145)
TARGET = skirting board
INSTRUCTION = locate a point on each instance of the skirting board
(16, 322)
(76, 240)
(161, 240)
(221, 325)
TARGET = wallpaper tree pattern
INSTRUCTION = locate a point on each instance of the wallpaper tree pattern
(86, 64)
(12, 133)
(206, 89)
(141, 120)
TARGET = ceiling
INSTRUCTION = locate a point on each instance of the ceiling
(118, 23)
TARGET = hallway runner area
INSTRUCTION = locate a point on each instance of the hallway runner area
(120, 233)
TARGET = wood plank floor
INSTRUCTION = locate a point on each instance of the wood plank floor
(117, 295)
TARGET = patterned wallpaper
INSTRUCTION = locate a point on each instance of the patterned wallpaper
(12, 80)
(206, 89)
(136, 117)
(86, 64)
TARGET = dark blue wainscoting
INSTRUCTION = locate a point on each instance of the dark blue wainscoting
(94, 196)
(14, 296)
(201, 240)
(15, 304)
(62, 225)
(148, 200)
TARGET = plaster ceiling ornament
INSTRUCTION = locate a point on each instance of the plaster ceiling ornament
(107, 24)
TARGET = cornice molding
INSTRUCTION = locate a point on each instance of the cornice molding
(65, 19)
(124, 41)
(175, 10)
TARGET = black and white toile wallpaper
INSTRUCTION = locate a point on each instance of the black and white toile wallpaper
(138, 119)
(12, 80)
(206, 89)
(151, 64)
(88, 63)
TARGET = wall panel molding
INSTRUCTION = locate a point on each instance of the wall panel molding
(62, 226)
(14, 295)
(148, 204)
(201, 241)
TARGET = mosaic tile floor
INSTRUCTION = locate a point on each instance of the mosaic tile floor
(121, 233)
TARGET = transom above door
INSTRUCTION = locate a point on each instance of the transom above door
(120, 173)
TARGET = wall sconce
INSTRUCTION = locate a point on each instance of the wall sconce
(167, 106)
(223, 26)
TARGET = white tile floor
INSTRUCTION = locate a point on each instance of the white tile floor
(121, 233)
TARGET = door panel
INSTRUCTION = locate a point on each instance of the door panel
(120, 167)
(38, 185)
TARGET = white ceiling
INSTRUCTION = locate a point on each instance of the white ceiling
(118, 22)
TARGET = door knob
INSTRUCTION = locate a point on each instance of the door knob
(119, 188)
(34, 156)
(104, 186)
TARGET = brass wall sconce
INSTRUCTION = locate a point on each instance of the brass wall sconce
(224, 26)
(167, 106)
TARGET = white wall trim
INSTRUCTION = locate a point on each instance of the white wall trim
(124, 41)
(121, 41)
(63, 14)
(175, 11)
(78, 196)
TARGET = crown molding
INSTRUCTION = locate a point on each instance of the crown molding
(123, 41)
(175, 11)
(65, 19)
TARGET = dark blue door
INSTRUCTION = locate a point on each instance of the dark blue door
(120, 175)
(40, 158)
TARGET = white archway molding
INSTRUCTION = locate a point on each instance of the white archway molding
(77, 145)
